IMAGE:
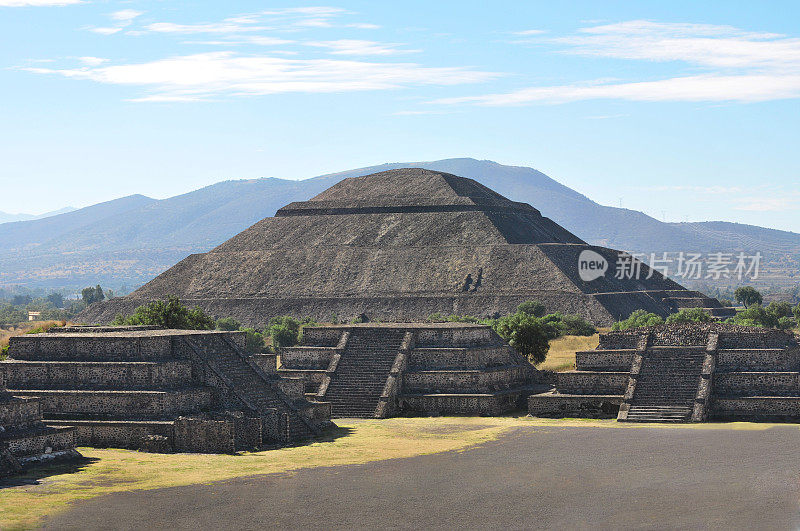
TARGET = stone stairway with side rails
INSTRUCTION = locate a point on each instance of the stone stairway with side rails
(255, 390)
(358, 382)
(667, 384)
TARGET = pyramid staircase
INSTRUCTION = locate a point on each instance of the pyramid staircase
(670, 382)
(358, 380)
(256, 390)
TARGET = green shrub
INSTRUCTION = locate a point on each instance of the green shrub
(526, 334)
(638, 319)
(286, 330)
(3, 352)
(575, 325)
(254, 341)
(228, 324)
(786, 323)
(780, 309)
(689, 315)
(534, 307)
(755, 315)
(169, 313)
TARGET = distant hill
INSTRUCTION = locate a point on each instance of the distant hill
(130, 240)
(5, 217)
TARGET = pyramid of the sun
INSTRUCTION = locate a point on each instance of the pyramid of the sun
(398, 246)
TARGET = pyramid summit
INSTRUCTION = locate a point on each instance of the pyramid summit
(400, 245)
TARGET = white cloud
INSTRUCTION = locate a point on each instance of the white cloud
(125, 14)
(38, 3)
(737, 65)
(92, 61)
(122, 19)
(105, 31)
(362, 25)
(217, 74)
(218, 27)
(527, 33)
(768, 204)
(359, 47)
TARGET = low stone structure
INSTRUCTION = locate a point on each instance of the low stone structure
(25, 440)
(159, 390)
(381, 370)
(681, 373)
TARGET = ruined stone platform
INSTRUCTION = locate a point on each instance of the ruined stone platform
(25, 440)
(380, 370)
(160, 390)
(681, 373)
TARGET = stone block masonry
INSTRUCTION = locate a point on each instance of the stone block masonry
(158, 390)
(681, 373)
(25, 440)
(377, 370)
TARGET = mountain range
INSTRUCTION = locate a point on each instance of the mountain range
(128, 241)
(6, 217)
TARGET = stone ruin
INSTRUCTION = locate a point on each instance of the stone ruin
(681, 373)
(25, 440)
(381, 370)
(399, 246)
(156, 390)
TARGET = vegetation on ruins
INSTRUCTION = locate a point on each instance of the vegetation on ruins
(286, 330)
(638, 319)
(528, 330)
(526, 333)
(776, 315)
(168, 313)
(748, 296)
(228, 324)
(535, 308)
(689, 315)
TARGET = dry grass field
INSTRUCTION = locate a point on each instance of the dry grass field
(10, 330)
(561, 356)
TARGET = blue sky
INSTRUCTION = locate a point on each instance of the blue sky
(684, 110)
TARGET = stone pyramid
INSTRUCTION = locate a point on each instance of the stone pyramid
(400, 245)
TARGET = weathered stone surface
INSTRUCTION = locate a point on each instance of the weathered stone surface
(439, 368)
(156, 390)
(399, 246)
(703, 371)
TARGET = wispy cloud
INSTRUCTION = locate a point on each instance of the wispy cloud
(39, 3)
(216, 74)
(121, 20)
(738, 65)
(758, 198)
(359, 47)
(92, 61)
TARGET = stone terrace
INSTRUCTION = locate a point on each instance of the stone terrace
(25, 440)
(380, 370)
(159, 390)
(681, 373)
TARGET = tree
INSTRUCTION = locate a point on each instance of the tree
(169, 313)
(780, 309)
(755, 315)
(748, 295)
(689, 315)
(228, 324)
(284, 331)
(638, 319)
(56, 299)
(91, 295)
(575, 325)
(526, 334)
(254, 340)
(534, 308)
